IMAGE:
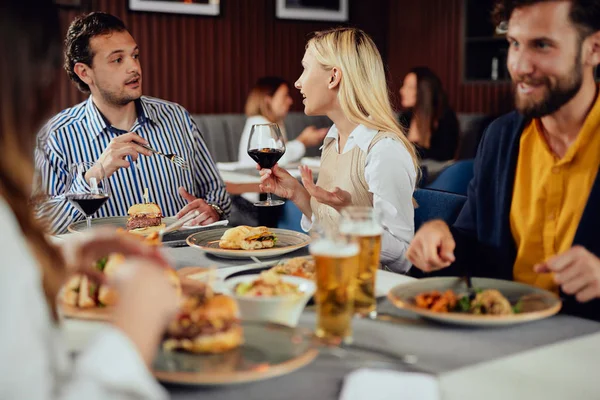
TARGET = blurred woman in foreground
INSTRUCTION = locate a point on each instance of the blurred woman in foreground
(35, 363)
(366, 160)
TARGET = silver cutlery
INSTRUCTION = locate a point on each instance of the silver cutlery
(174, 158)
(178, 224)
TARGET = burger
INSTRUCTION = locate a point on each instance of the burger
(144, 218)
(206, 323)
(247, 238)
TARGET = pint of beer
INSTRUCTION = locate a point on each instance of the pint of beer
(362, 224)
(336, 265)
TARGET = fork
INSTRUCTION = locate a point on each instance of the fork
(174, 158)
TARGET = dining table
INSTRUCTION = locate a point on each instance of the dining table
(553, 358)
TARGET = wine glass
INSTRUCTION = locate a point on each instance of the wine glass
(86, 196)
(266, 146)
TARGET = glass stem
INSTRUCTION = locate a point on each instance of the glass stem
(269, 200)
(88, 220)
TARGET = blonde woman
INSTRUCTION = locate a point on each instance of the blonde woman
(366, 157)
(35, 363)
(269, 101)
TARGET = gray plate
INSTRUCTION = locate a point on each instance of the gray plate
(117, 222)
(269, 350)
(536, 303)
(287, 241)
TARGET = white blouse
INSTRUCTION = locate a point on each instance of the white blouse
(294, 150)
(391, 176)
(35, 364)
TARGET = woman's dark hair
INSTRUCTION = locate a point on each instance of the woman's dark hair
(256, 103)
(77, 42)
(31, 50)
(585, 14)
(432, 102)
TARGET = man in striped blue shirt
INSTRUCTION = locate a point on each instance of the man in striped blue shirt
(102, 58)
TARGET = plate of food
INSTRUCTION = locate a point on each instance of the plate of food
(491, 303)
(143, 219)
(82, 298)
(206, 344)
(245, 242)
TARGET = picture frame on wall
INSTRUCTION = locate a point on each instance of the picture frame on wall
(314, 10)
(192, 7)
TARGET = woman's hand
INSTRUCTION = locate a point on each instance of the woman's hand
(337, 199)
(278, 181)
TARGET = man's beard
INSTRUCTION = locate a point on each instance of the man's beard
(564, 90)
(117, 99)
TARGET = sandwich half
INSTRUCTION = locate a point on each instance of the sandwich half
(248, 238)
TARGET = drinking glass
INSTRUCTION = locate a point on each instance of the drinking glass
(336, 266)
(86, 196)
(363, 224)
(266, 146)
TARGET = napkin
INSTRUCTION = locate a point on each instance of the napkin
(218, 223)
(381, 384)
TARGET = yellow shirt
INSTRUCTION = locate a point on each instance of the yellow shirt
(550, 195)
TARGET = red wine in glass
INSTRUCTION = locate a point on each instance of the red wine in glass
(266, 146)
(87, 204)
(266, 158)
(87, 188)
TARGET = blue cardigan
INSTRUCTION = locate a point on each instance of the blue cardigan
(484, 241)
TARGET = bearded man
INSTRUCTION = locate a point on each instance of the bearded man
(533, 208)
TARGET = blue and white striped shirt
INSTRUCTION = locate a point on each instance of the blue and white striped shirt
(81, 133)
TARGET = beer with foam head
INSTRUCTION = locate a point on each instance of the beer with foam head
(336, 266)
(362, 225)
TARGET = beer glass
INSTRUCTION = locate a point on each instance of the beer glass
(363, 225)
(336, 265)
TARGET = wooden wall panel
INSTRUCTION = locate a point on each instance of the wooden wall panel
(429, 33)
(208, 64)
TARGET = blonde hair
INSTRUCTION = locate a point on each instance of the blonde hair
(363, 92)
(257, 104)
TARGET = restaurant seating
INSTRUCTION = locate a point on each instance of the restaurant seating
(436, 204)
(290, 217)
(222, 132)
(454, 178)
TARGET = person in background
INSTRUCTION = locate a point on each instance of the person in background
(532, 211)
(432, 124)
(112, 125)
(367, 159)
(35, 362)
(269, 101)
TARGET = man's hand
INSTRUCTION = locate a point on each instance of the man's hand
(432, 247)
(208, 215)
(337, 199)
(577, 271)
(115, 153)
(311, 136)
